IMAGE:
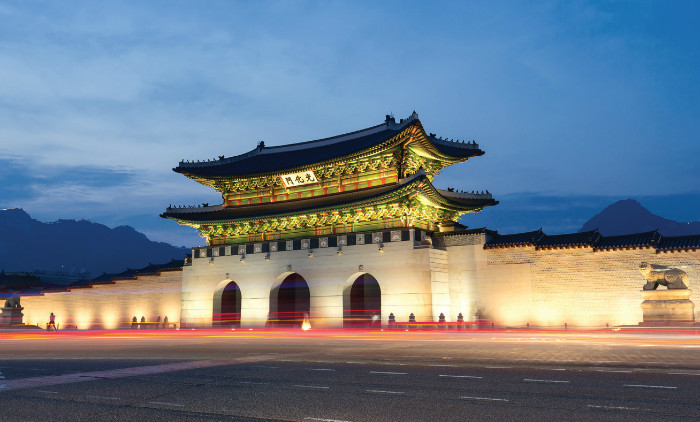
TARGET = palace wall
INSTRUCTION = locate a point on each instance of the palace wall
(551, 287)
(109, 306)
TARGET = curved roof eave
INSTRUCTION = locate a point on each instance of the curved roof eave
(264, 160)
(399, 190)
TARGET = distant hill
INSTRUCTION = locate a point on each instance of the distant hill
(629, 216)
(74, 246)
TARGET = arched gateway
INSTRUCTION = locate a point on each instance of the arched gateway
(363, 302)
(290, 301)
(325, 199)
(227, 306)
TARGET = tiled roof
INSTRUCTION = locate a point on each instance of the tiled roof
(304, 205)
(272, 159)
(570, 239)
(175, 264)
(629, 240)
(149, 270)
(680, 242)
(479, 230)
(126, 274)
(527, 238)
(594, 239)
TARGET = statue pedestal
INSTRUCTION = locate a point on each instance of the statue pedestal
(10, 316)
(667, 308)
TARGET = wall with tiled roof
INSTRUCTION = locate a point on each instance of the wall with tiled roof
(111, 301)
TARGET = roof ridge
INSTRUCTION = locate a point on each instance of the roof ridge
(261, 149)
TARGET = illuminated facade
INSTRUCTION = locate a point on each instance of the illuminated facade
(337, 227)
(350, 230)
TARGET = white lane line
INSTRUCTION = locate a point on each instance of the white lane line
(435, 364)
(385, 392)
(104, 397)
(166, 404)
(321, 369)
(668, 387)
(682, 373)
(320, 387)
(498, 367)
(324, 420)
(612, 407)
(460, 376)
(47, 392)
(552, 369)
(46, 381)
(482, 398)
(550, 381)
(254, 383)
(623, 372)
(388, 373)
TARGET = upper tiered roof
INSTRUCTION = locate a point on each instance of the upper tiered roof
(276, 159)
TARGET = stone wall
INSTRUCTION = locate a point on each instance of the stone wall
(552, 287)
(109, 306)
(412, 278)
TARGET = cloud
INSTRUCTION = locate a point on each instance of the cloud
(100, 101)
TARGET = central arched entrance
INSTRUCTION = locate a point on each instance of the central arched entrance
(363, 307)
(290, 301)
(227, 307)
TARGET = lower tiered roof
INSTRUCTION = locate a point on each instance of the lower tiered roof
(414, 186)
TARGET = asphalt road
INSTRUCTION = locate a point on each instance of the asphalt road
(349, 376)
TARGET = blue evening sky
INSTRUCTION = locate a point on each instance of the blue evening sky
(575, 102)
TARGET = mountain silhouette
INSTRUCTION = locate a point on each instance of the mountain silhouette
(629, 216)
(75, 246)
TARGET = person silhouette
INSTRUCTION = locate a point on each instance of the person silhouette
(52, 322)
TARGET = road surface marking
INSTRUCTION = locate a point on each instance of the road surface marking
(650, 386)
(552, 381)
(356, 363)
(44, 381)
(104, 397)
(48, 392)
(321, 369)
(482, 398)
(385, 392)
(460, 376)
(552, 369)
(682, 373)
(324, 420)
(499, 367)
(605, 370)
(388, 373)
(612, 407)
(255, 383)
(320, 387)
(166, 404)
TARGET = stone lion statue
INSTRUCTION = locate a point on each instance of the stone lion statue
(672, 278)
(12, 302)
